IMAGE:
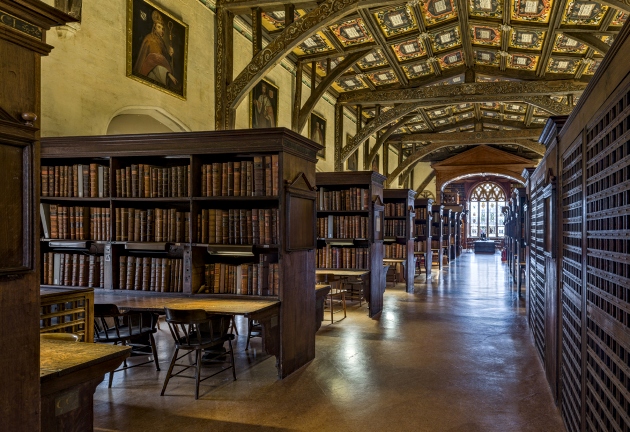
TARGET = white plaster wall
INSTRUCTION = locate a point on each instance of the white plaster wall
(84, 81)
(421, 171)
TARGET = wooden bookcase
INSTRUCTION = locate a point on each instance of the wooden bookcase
(454, 232)
(335, 185)
(436, 234)
(447, 231)
(279, 173)
(399, 229)
(422, 232)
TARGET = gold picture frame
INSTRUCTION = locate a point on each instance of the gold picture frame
(157, 48)
(263, 105)
(317, 132)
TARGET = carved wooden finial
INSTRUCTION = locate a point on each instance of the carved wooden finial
(29, 118)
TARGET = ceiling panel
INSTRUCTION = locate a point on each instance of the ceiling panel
(537, 11)
(352, 32)
(396, 21)
(438, 11)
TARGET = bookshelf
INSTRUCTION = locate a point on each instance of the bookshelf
(227, 214)
(351, 203)
(436, 234)
(422, 233)
(447, 230)
(454, 232)
(399, 230)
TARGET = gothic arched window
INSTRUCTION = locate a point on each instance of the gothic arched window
(485, 204)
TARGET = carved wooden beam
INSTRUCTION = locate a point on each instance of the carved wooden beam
(526, 138)
(537, 93)
(367, 163)
(462, 15)
(326, 13)
(223, 68)
(338, 136)
(589, 40)
(378, 36)
(462, 92)
(324, 85)
(554, 23)
(426, 119)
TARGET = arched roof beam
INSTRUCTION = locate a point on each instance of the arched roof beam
(526, 138)
(589, 40)
(325, 84)
(326, 13)
(381, 140)
(536, 93)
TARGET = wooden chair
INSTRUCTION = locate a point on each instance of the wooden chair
(337, 296)
(195, 330)
(254, 329)
(127, 328)
(354, 289)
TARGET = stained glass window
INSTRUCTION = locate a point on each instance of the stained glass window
(485, 205)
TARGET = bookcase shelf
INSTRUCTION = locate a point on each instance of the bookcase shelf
(437, 231)
(454, 230)
(221, 174)
(355, 194)
(422, 243)
(400, 211)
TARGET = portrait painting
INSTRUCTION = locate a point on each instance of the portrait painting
(157, 47)
(318, 133)
(263, 106)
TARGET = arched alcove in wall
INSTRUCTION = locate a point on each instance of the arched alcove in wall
(141, 120)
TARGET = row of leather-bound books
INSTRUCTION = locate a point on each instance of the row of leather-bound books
(420, 230)
(419, 246)
(343, 257)
(351, 199)
(342, 227)
(395, 209)
(151, 274)
(152, 225)
(238, 226)
(395, 228)
(257, 177)
(395, 251)
(74, 222)
(80, 180)
(72, 269)
(421, 213)
(262, 279)
(146, 181)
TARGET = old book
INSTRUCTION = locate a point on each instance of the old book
(204, 180)
(275, 165)
(225, 227)
(135, 174)
(131, 224)
(158, 275)
(153, 272)
(131, 273)
(268, 181)
(166, 278)
(146, 274)
(44, 217)
(224, 179)
(250, 178)
(44, 180)
(150, 225)
(179, 225)
(143, 225)
(217, 187)
(259, 176)
(243, 176)
(237, 178)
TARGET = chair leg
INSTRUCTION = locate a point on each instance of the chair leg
(111, 379)
(154, 350)
(331, 308)
(249, 333)
(343, 302)
(170, 371)
(232, 358)
(198, 372)
(233, 326)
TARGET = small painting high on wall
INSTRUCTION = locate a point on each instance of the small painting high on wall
(263, 106)
(318, 133)
(157, 47)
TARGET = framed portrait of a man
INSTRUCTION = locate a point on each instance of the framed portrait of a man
(157, 47)
(263, 106)
(318, 133)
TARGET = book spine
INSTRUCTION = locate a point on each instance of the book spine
(268, 181)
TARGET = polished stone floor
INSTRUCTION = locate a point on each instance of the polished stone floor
(456, 355)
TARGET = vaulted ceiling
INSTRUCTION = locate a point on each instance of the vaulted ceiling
(424, 43)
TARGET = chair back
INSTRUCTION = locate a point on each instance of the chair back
(194, 327)
(112, 325)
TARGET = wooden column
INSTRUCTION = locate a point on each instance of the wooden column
(224, 116)
(338, 136)
(256, 30)
(297, 101)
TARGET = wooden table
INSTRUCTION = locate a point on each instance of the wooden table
(397, 270)
(264, 311)
(487, 246)
(321, 291)
(69, 374)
